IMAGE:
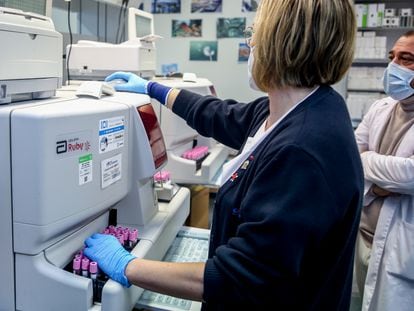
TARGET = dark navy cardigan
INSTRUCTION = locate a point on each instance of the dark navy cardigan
(284, 226)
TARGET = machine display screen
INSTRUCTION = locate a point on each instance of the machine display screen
(143, 26)
(140, 24)
(155, 138)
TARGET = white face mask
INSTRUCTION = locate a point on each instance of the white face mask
(397, 81)
(250, 62)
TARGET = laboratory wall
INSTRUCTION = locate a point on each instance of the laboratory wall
(98, 20)
(227, 74)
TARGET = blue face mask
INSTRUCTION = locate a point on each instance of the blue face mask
(397, 81)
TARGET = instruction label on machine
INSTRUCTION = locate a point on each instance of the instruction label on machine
(111, 170)
(85, 169)
(111, 134)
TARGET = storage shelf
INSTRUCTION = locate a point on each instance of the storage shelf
(370, 61)
(383, 28)
(376, 1)
(358, 92)
(366, 90)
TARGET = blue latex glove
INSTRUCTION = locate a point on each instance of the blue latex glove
(136, 84)
(133, 83)
(111, 257)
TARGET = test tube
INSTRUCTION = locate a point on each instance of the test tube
(120, 238)
(93, 270)
(85, 267)
(76, 265)
(79, 254)
(126, 235)
(93, 273)
(133, 237)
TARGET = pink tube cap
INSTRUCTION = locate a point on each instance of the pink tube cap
(76, 264)
(120, 238)
(85, 263)
(133, 235)
(93, 267)
(162, 176)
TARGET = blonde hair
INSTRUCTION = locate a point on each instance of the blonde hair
(302, 43)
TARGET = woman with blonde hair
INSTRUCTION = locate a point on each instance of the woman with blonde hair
(287, 213)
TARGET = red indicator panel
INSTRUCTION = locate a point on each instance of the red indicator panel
(152, 127)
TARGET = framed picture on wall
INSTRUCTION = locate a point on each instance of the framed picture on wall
(169, 69)
(206, 6)
(231, 27)
(244, 52)
(186, 28)
(203, 50)
(165, 6)
(250, 5)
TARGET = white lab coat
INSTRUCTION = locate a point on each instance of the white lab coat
(390, 278)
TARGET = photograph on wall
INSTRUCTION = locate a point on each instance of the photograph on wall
(186, 28)
(250, 5)
(231, 27)
(165, 6)
(169, 69)
(244, 52)
(203, 50)
(206, 6)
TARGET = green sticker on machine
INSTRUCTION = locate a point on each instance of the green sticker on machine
(85, 158)
(85, 169)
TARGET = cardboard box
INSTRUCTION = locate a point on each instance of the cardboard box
(380, 13)
(406, 11)
(199, 209)
(361, 11)
(390, 12)
(372, 20)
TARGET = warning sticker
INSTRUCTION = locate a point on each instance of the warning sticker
(111, 134)
(85, 169)
(111, 170)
